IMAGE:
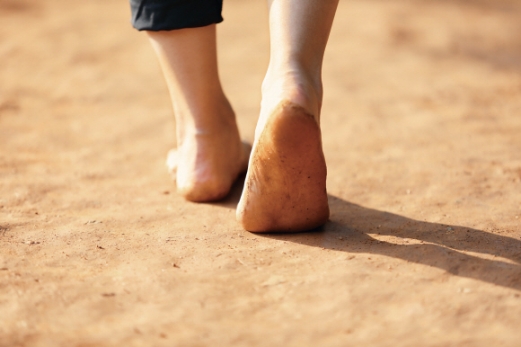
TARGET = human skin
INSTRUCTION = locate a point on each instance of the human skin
(209, 154)
(285, 187)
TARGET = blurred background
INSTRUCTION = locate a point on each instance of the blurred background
(421, 131)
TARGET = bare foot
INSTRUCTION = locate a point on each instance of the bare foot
(285, 187)
(206, 165)
(210, 154)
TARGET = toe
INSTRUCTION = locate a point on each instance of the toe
(172, 160)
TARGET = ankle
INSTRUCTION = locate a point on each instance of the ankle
(294, 86)
(207, 118)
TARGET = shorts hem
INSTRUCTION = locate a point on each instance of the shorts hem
(161, 15)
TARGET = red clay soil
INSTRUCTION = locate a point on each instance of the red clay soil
(422, 136)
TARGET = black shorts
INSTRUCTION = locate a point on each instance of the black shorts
(158, 15)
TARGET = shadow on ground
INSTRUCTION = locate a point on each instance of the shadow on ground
(438, 245)
(442, 246)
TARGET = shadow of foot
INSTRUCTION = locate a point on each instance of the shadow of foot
(232, 199)
(356, 229)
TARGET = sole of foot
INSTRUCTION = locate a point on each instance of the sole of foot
(210, 179)
(285, 187)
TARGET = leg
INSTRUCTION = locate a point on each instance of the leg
(210, 154)
(285, 188)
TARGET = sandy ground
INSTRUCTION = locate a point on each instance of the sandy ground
(421, 122)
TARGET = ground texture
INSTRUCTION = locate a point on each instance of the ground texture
(421, 132)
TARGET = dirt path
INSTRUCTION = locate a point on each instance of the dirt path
(422, 129)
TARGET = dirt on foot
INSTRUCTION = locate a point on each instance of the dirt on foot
(285, 187)
(421, 134)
